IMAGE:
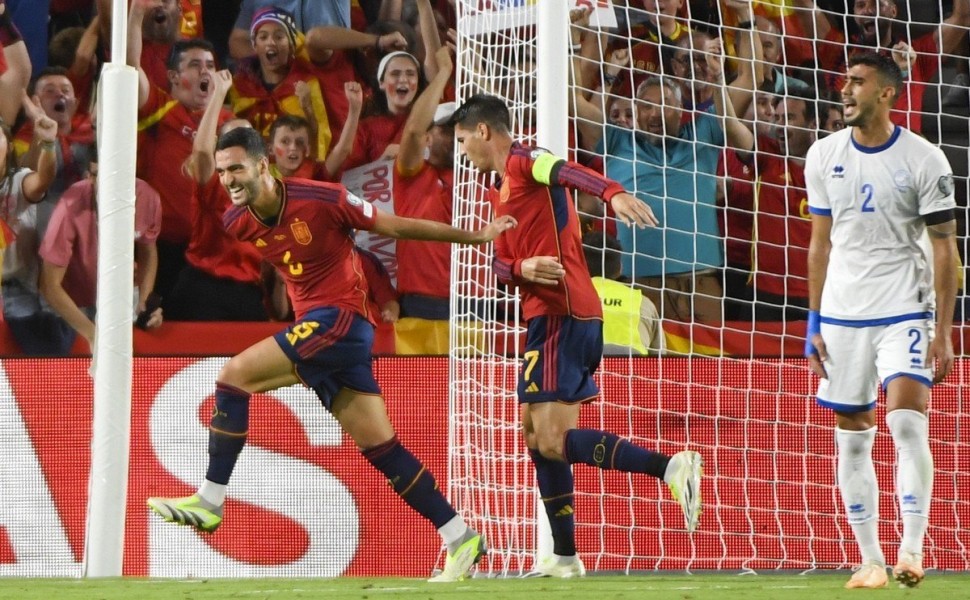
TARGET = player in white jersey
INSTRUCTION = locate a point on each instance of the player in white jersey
(874, 190)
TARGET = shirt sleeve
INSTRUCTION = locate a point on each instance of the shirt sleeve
(936, 189)
(550, 170)
(58, 245)
(818, 201)
(148, 213)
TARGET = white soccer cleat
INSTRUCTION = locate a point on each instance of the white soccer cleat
(458, 565)
(685, 485)
(871, 575)
(908, 571)
(561, 567)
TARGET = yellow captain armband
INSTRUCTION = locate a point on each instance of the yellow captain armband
(545, 166)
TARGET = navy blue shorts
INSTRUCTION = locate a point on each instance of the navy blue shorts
(331, 349)
(561, 355)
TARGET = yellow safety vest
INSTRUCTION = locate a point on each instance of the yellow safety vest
(621, 314)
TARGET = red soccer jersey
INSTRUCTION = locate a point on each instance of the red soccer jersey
(211, 249)
(547, 226)
(311, 244)
(332, 76)
(166, 132)
(424, 267)
(783, 225)
(374, 134)
(738, 208)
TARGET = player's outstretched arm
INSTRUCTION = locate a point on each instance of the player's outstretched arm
(421, 229)
(633, 211)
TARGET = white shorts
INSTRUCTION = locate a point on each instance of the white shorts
(860, 357)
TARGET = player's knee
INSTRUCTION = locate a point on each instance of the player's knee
(550, 446)
(233, 373)
(907, 425)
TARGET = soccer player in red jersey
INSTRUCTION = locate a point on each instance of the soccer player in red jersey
(543, 256)
(303, 228)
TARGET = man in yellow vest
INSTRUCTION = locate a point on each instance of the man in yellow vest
(631, 324)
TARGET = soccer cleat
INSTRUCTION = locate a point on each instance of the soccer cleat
(190, 510)
(685, 485)
(908, 571)
(562, 567)
(457, 565)
(871, 575)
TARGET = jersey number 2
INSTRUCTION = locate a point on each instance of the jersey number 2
(867, 200)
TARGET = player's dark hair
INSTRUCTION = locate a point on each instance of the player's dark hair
(602, 252)
(289, 121)
(182, 46)
(45, 72)
(884, 65)
(483, 108)
(246, 138)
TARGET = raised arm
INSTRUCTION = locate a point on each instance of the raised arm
(428, 27)
(411, 154)
(201, 163)
(813, 19)
(954, 28)
(86, 48)
(35, 184)
(322, 40)
(750, 55)
(737, 135)
(136, 15)
(341, 150)
(13, 82)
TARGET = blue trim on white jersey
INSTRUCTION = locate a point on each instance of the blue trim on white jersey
(917, 378)
(876, 149)
(846, 408)
(814, 210)
(877, 322)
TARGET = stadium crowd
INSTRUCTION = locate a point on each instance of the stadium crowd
(347, 89)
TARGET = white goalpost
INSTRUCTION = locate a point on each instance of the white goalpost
(730, 390)
(112, 355)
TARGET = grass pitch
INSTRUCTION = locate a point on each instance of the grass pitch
(812, 586)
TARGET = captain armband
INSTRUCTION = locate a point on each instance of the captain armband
(545, 167)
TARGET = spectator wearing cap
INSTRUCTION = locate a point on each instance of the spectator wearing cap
(423, 184)
(276, 81)
(306, 14)
(399, 80)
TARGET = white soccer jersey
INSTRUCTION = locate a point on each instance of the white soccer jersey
(876, 197)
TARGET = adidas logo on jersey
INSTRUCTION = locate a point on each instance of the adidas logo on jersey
(532, 389)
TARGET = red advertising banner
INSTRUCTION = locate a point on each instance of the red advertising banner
(304, 503)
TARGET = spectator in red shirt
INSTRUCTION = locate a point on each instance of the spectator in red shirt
(168, 122)
(423, 189)
(379, 135)
(223, 278)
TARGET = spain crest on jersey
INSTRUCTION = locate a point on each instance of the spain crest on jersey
(301, 232)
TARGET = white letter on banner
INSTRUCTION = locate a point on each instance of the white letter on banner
(27, 510)
(273, 481)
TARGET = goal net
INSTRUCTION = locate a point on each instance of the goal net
(735, 388)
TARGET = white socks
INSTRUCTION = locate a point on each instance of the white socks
(453, 533)
(213, 493)
(860, 492)
(914, 474)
